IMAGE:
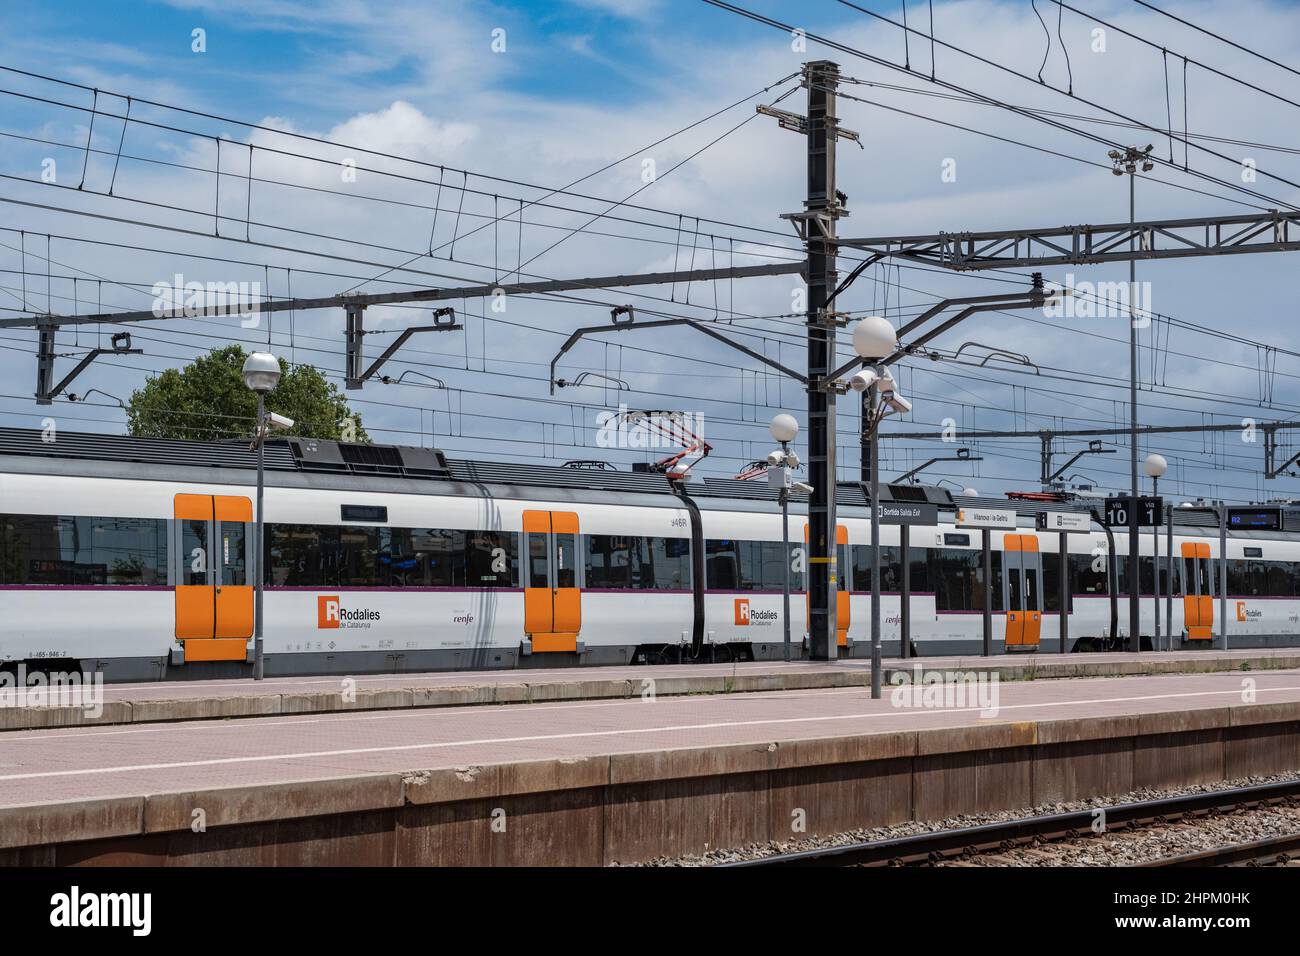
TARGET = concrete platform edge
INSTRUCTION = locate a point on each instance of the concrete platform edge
(929, 773)
(593, 688)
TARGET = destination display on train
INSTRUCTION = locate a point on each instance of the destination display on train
(1255, 519)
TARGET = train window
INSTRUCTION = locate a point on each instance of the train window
(958, 578)
(232, 567)
(1247, 578)
(1164, 576)
(1085, 578)
(732, 565)
(194, 552)
(618, 561)
(609, 561)
(1031, 592)
(722, 564)
(919, 578)
(60, 549)
(491, 559)
(538, 562)
(1052, 585)
(1146, 574)
(891, 569)
(666, 564)
(346, 556)
(1014, 600)
(1197, 577)
(566, 560)
(1282, 580)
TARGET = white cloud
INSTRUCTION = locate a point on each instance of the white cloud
(632, 9)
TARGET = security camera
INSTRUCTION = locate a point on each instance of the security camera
(863, 380)
(802, 487)
(897, 403)
(279, 421)
(792, 460)
(774, 458)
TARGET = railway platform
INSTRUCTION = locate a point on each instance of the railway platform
(601, 781)
(156, 702)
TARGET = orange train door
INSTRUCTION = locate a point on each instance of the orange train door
(214, 593)
(1198, 592)
(1023, 572)
(552, 595)
(842, 596)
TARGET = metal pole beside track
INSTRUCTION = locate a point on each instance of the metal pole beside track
(1155, 565)
(259, 579)
(986, 538)
(1065, 590)
(821, 78)
(905, 611)
(876, 656)
(1134, 587)
(1223, 572)
(1169, 568)
(785, 543)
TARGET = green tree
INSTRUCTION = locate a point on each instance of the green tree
(208, 401)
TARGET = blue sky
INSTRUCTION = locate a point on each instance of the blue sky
(580, 50)
(585, 82)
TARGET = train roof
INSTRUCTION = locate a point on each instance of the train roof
(308, 456)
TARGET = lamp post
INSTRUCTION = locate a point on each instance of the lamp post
(784, 428)
(1155, 465)
(874, 339)
(1127, 163)
(261, 374)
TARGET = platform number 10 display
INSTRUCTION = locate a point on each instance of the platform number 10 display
(1150, 512)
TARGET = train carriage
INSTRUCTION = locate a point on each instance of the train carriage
(135, 557)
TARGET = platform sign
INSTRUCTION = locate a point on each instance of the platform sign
(907, 512)
(1064, 521)
(1150, 512)
(973, 517)
(1255, 519)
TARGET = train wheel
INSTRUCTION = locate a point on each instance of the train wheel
(721, 654)
(671, 654)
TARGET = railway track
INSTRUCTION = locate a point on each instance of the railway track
(964, 842)
(1275, 851)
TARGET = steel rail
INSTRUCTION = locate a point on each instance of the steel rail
(939, 845)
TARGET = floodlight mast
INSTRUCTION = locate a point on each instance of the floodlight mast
(874, 339)
(784, 429)
(261, 374)
(1155, 466)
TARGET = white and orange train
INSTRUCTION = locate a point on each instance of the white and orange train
(133, 557)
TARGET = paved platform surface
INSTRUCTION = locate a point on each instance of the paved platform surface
(86, 763)
(198, 700)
